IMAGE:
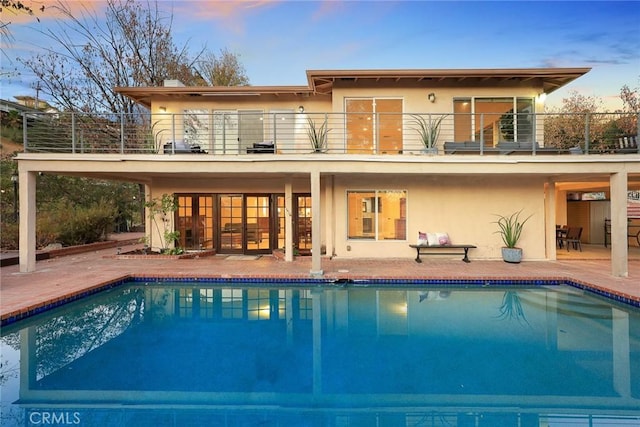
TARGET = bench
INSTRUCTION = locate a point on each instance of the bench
(439, 250)
(182, 147)
(508, 148)
(627, 145)
(266, 147)
(633, 231)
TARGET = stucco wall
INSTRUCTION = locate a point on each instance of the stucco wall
(461, 206)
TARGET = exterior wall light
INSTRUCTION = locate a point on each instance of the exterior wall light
(301, 109)
(163, 109)
(431, 97)
(542, 97)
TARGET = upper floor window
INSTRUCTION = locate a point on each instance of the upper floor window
(493, 120)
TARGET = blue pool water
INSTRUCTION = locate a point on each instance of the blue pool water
(191, 354)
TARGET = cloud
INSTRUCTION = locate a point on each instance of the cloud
(231, 15)
(49, 9)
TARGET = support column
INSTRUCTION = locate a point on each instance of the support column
(550, 220)
(621, 352)
(619, 241)
(27, 252)
(288, 220)
(316, 255)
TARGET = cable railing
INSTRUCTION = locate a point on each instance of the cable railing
(221, 133)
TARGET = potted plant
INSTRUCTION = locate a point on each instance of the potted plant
(429, 130)
(318, 135)
(510, 228)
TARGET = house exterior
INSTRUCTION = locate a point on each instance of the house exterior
(248, 180)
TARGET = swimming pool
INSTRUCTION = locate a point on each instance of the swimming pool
(340, 354)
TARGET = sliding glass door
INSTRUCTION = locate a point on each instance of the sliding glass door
(374, 125)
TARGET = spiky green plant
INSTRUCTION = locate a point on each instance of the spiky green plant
(318, 135)
(510, 228)
(428, 128)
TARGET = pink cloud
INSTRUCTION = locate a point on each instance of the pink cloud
(230, 14)
(50, 9)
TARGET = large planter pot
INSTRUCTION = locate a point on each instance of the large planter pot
(512, 255)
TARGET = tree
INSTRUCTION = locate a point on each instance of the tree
(14, 7)
(223, 70)
(567, 126)
(132, 46)
(628, 122)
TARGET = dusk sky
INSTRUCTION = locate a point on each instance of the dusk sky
(277, 41)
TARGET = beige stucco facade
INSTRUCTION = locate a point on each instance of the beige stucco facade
(459, 195)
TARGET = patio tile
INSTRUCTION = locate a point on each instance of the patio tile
(59, 278)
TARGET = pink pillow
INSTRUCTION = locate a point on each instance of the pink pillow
(443, 239)
(422, 238)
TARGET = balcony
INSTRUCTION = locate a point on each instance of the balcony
(203, 133)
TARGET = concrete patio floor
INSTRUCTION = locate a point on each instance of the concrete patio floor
(59, 278)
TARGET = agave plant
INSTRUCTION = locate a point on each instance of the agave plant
(511, 307)
(510, 228)
(428, 128)
(317, 135)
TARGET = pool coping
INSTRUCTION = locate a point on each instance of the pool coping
(38, 308)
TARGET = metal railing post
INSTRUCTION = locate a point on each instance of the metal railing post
(637, 132)
(481, 134)
(24, 132)
(122, 132)
(587, 130)
(274, 132)
(173, 134)
(73, 133)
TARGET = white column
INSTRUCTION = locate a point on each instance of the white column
(619, 241)
(288, 220)
(316, 256)
(27, 189)
(550, 219)
(621, 348)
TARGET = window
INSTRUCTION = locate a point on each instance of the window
(374, 125)
(493, 120)
(232, 304)
(377, 215)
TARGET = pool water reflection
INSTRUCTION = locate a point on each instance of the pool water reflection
(182, 353)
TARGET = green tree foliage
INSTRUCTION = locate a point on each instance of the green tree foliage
(222, 70)
(568, 125)
(71, 210)
(160, 211)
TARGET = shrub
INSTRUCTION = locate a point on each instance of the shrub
(9, 235)
(86, 224)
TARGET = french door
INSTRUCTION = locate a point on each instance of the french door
(195, 221)
(241, 223)
(245, 225)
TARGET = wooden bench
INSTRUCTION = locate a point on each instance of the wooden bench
(439, 250)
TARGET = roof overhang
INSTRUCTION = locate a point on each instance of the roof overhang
(144, 95)
(322, 81)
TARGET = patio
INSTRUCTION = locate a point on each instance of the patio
(58, 278)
